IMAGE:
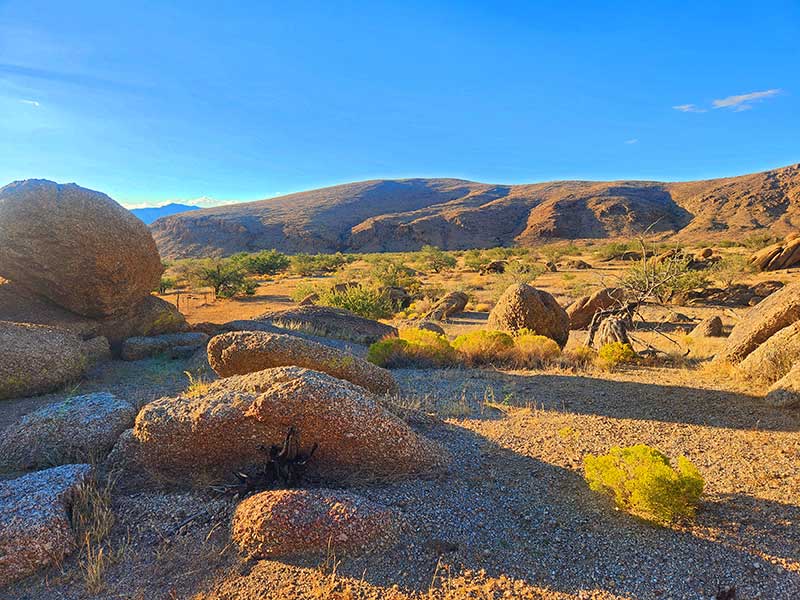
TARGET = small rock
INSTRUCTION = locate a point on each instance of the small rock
(709, 327)
(285, 523)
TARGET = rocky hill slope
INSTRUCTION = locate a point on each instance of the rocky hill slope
(399, 215)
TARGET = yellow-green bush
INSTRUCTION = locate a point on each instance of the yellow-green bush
(484, 347)
(580, 355)
(615, 354)
(642, 482)
(534, 350)
(413, 347)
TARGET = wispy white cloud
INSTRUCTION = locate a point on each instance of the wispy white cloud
(689, 108)
(202, 202)
(632, 141)
(31, 102)
(744, 101)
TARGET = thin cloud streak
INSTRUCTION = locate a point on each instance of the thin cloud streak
(745, 101)
(632, 141)
(31, 102)
(689, 108)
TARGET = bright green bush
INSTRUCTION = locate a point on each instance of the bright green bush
(413, 348)
(615, 354)
(266, 262)
(432, 259)
(534, 350)
(642, 482)
(225, 276)
(388, 352)
(364, 301)
(484, 347)
(317, 264)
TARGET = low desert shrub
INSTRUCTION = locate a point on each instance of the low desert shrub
(225, 276)
(266, 262)
(533, 350)
(365, 301)
(580, 356)
(642, 482)
(433, 260)
(484, 347)
(614, 354)
(317, 264)
(731, 269)
(413, 348)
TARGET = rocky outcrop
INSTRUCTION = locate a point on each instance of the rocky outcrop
(171, 344)
(293, 523)
(779, 310)
(708, 327)
(774, 357)
(35, 527)
(738, 294)
(78, 429)
(450, 304)
(783, 255)
(35, 359)
(523, 306)
(583, 309)
(785, 393)
(197, 438)
(325, 321)
(76, 247)
(243, 352)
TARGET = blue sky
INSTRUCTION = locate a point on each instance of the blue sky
(158, 101)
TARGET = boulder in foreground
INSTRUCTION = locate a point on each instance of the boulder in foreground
(777, 311)
(77, 429)
(35, 529)
(524, 307)
(242, 352)
(325, 321)
(206, 437)
(774, 358)
(76, 247)
(35, 359)
(286, 523)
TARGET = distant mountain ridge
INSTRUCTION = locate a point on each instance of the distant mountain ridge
(152, 213)
(401, 215)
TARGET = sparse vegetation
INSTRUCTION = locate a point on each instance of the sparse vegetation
(226, 277)
(433, 260)
(615, 354)
(266, 262)
(413, 348)
(361, 300)
(484, 347)
(318, 264)
(642, 482)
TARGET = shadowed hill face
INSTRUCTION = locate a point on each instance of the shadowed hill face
(400, 215)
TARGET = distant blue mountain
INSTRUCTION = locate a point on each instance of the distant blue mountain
(148, 215)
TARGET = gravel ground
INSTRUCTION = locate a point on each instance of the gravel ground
(513, 508)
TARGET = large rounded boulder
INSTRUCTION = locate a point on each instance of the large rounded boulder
(206, 436)
(524, 307)
(76, 247)
(761, 322)
(301, 523)
(243, 352)
(326, 321)
(774, 358)
(35, 359)
(584, 308)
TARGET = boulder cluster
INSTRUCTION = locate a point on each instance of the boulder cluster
(78, 271)
(765, 346)
(783, 255)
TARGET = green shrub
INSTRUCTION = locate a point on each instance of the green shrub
(318, 264)
(653, 280)
(642, 482)
(392, 273)
(225, 276)
(615, 354)
(484, 347)
(730, 269)
(430, 258)
(612, 250)
(166, 283)
(414, 348)
(364, 301)
(534, 350)
(266, 262)
(757, 241)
